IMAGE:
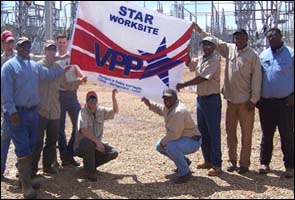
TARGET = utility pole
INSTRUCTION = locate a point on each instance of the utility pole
(48, 20)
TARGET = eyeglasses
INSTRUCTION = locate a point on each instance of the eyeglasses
(92, 99)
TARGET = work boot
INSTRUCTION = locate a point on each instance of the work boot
(204, 165)
(50, 170)
(289, 173)
(69, 160)
(35, 179)
(90, 176)
(24, 167)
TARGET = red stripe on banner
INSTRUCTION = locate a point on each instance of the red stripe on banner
(186, 36)
(88, 63)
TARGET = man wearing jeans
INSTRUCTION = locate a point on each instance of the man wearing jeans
(208, 105)
(19, 91)
(68, 104)
(182, 135)
(241, 89)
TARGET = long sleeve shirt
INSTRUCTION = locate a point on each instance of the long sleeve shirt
(242, 78)
(49, 106)
(277, 72)
(20, 82)
(178, 122)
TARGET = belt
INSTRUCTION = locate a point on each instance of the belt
(196, 137)
(25, 107)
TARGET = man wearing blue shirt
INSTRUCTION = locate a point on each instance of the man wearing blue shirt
(19, 92)
(276, 107)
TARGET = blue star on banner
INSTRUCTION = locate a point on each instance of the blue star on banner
(157, 65)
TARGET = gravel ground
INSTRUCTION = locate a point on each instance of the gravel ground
(140, 172)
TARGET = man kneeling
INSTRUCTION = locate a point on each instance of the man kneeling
(88, 143)
(182, 135)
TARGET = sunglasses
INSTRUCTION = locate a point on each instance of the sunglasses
(26, 46)
(51, 48)
(92, 99)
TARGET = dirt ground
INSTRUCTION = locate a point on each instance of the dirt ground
(140, 172)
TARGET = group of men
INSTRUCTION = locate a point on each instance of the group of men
(265, 81)
(36, 97)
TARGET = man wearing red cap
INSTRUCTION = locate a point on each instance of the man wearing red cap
(7, 41)
(88, 142)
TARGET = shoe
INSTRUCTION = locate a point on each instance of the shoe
(55, 164)
(70, 161)
(204, 165)
(188, 161)
(182, 179)
(264, 169)
(50, 170)
(231, 167)
(214, 171)
(90, 176)
(289, 173)
(242, 170)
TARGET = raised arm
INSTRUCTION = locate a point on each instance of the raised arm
(115, 103)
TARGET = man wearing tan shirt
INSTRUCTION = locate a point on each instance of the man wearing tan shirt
(208, 104)
(49, 112)
(182, 135)
(242, 85)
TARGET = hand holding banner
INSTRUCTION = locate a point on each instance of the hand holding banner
(130, 48)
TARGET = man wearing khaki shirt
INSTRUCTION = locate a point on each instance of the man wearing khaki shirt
(208, 105)
(242, 85)
(182, 135)
(49, 112)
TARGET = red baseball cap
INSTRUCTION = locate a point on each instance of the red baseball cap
(7, 36)
(91, 94)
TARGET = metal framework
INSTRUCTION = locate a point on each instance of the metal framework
(39, 22)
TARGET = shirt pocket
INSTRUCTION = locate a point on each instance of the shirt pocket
(285, 67)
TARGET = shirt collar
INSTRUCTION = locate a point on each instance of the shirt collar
(242, 50)
(278, 50)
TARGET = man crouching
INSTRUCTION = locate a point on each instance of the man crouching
(182, 135)
(88, 144)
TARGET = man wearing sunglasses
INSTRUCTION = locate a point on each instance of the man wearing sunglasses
(208, 105)
(19, 92)
(49, 112)
(276, 107)
(88, 144)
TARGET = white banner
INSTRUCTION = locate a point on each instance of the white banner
(130, 48)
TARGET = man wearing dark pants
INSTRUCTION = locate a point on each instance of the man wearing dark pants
(276, 107)
(88, 144)
(49, 112)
